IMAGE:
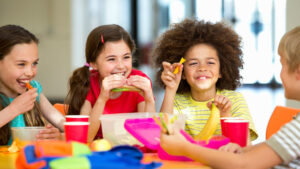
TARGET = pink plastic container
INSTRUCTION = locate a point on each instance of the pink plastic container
(148, 132)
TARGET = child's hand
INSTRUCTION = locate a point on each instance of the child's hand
(232, 148)
(170, 79)
(50, 133)
(173, 143)
(142, 83)
(223, 104)
(111, 82)
(24, 102)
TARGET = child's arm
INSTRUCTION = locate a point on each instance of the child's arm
(171, 81)
(19, 105)
(260, 156)
(107, 84)
(94, 114)
(54, 117)
(50, 113)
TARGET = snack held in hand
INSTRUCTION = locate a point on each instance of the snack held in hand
(211, 124)
(28, 86)
(126, 88)
(182, 60)
(100, 145)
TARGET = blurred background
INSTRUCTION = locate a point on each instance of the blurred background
(63, 25)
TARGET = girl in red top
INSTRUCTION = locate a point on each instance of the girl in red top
(109, 50)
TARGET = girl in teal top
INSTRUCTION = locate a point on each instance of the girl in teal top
(18, 66)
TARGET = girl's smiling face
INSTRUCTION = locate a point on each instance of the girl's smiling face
(115, 58)
(202, 68)
(17, 68)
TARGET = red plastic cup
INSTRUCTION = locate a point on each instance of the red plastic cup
(76, 131)
(237, 131)
(223, 127)
(73, 118)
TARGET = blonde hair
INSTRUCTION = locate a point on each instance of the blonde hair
(289, 48)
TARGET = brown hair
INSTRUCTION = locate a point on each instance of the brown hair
(289, 47)
(175, 42)
(11, 35)
(79, 82)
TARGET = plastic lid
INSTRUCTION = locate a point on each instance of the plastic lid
(144, 130)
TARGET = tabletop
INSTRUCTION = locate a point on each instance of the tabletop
(166, 164)
(7, 161)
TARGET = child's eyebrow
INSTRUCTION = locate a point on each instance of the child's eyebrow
(110, 56)
(21, 60)
(191, 59)
(128, 53)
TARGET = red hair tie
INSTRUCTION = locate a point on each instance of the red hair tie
(102, 40)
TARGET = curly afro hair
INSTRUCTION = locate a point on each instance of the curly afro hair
(175, 42)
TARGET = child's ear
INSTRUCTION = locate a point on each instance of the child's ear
(93, 65)
(220, 76)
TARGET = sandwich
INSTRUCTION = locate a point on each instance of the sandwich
(126, 88)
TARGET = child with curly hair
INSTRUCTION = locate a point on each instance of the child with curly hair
(211, 73)
(282, 148)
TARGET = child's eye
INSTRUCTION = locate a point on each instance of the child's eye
(193, 64)
(211, 63)
(35, 63)
(110, 59)
(127, 57)
(21, 64)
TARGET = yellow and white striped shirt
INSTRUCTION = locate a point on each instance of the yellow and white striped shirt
(197, 113)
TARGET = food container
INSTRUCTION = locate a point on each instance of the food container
(148, 132)
(113, 127)
(25, 133)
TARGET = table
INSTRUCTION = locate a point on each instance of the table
(7, 161)
(149, 157)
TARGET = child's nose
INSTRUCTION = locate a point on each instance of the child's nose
(120, 64)
(29, 71)
(201, 67)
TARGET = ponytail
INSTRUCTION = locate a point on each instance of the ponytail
(79, 85)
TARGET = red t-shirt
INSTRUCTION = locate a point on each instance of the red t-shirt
(126, 103)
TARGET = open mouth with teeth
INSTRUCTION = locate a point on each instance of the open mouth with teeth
(120, 74)
(23, 82)
(202, 77)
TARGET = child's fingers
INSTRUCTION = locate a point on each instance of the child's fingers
(209, 104)
(180, 69)
(49, 133)
(166, 65)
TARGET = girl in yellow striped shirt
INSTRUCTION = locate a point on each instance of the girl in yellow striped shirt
(210, 73)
